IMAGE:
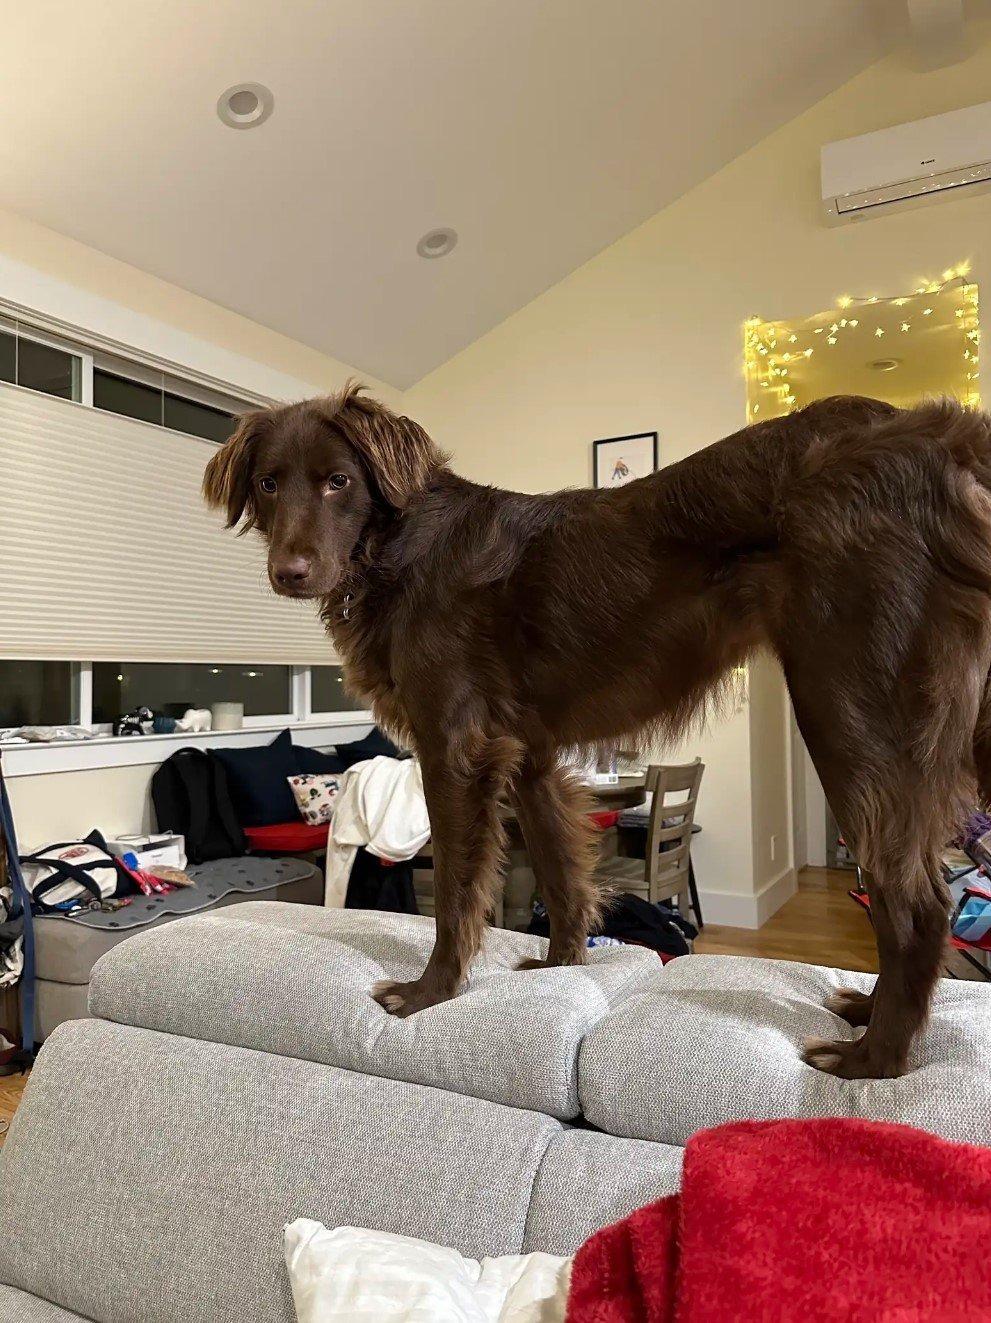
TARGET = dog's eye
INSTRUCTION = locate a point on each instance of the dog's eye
(268, 485)
(338, 481)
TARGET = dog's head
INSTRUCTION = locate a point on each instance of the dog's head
(314, 477)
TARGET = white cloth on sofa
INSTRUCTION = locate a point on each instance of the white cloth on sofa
(350, 1275)
(379, 805)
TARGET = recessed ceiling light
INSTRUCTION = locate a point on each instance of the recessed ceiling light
(884, 364)
(437, 243)
(245, 105)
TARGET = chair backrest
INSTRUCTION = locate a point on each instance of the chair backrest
(669, 832)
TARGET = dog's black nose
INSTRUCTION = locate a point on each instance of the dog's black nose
(293, 571)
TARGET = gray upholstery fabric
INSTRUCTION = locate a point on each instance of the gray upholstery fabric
(588, 1180)
(295, 981)
(147, 1177)
(18, 1307)
(55, 1003)
(717, 1038)
(68, 948)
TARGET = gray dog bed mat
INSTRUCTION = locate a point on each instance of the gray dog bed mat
(248, 875)
(68, 947)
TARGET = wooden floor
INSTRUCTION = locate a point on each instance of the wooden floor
(10, 1095)
(820, 925)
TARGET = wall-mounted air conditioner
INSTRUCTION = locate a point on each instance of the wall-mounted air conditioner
(945, 154)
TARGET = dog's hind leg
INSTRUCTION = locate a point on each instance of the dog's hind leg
(896, 789)
(553, 814)
(463, 785)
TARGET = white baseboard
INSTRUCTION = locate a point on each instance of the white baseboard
(734, 909)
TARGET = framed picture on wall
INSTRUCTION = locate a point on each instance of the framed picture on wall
(617, 460)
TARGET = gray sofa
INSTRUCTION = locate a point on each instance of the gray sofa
(236, 1075)
(67, 948)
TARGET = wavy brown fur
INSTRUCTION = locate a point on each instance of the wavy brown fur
(490, 629)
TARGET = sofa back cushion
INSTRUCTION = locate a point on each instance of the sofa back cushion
(588, 1180)
(166, 1198)
(258, 777)
(719, 1038)
(297, 981)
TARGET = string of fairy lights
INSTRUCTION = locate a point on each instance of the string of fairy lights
(775, 351)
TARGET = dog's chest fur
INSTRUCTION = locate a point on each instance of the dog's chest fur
(361, 629)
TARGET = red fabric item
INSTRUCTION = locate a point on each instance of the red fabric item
(288, 837)
(604, 818)
(984, 944)
(817, 1221)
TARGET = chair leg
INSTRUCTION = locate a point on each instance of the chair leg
(694, 893)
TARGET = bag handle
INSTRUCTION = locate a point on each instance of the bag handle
(64, 871)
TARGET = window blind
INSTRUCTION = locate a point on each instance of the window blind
(108, 552)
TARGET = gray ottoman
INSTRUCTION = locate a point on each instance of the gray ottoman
(68, 948)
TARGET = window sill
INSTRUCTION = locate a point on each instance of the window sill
(142, 750)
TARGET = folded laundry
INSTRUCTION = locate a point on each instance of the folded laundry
(11, 940)
(379, 805)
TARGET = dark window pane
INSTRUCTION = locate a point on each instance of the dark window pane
(35, 693)
(40, 367)
(198, 419)
(8, 356)
(171, 687)
(121, 395)
(327, 692)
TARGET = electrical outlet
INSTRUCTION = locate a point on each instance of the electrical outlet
(774, 848)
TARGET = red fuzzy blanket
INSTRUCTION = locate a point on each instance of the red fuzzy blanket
(801, 1220)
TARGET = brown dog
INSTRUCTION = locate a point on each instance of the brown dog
(491, 629)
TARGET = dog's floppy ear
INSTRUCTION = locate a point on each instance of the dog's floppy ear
(401, 456)
(227, 480)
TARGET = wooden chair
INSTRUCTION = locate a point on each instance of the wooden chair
(665, 872)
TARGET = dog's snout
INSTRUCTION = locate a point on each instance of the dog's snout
(292, 571)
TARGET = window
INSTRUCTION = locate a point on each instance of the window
(36, 693)
(49, 693)
(41, 365)
(172, 687)
(152, 403)
(122, 395)
(50, 370)
(198, 419)
(8, 356)
(327, 692)
(72, 370)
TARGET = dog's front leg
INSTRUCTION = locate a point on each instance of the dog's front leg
(462, 789)
(553, 811)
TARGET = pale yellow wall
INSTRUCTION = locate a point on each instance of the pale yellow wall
(648, 336)
(770, 771)
(61, 806)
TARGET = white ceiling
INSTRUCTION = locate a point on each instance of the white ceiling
(540, 130)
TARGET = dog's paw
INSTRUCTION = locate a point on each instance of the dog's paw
(533, 964)
(403, 999)
(850, 1059)
(850, 1005)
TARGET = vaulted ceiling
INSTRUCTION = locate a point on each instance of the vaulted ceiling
(539, 130)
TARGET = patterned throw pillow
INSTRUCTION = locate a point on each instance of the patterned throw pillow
(315, 795)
